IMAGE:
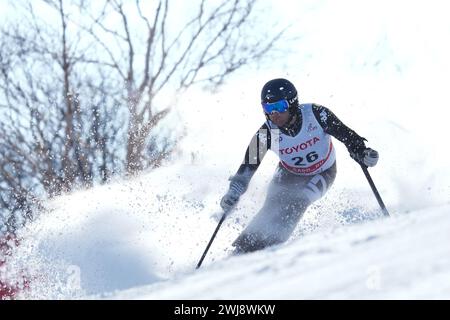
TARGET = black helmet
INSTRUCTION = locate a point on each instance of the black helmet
(279, 89)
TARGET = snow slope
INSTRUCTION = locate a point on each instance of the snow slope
(141, 238)
(404, 257)
(142, 247)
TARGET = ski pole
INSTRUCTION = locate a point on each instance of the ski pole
(212, 238)
(374, 189)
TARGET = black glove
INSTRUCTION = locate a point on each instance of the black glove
(230, 199)
(367, 156)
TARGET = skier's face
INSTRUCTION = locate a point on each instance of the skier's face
(279, 118)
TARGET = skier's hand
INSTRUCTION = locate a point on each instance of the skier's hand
(230, 199)
(368, 157)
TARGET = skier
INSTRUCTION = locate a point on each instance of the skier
(300, 134)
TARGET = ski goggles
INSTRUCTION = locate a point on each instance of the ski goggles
(279, 106)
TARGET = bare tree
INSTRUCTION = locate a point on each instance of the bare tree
(81, 85)
(206, 48)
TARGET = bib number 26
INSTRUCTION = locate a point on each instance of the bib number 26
(310, 157)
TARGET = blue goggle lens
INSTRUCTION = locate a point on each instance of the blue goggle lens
(279, 106)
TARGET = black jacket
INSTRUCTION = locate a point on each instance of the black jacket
(327, 119)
